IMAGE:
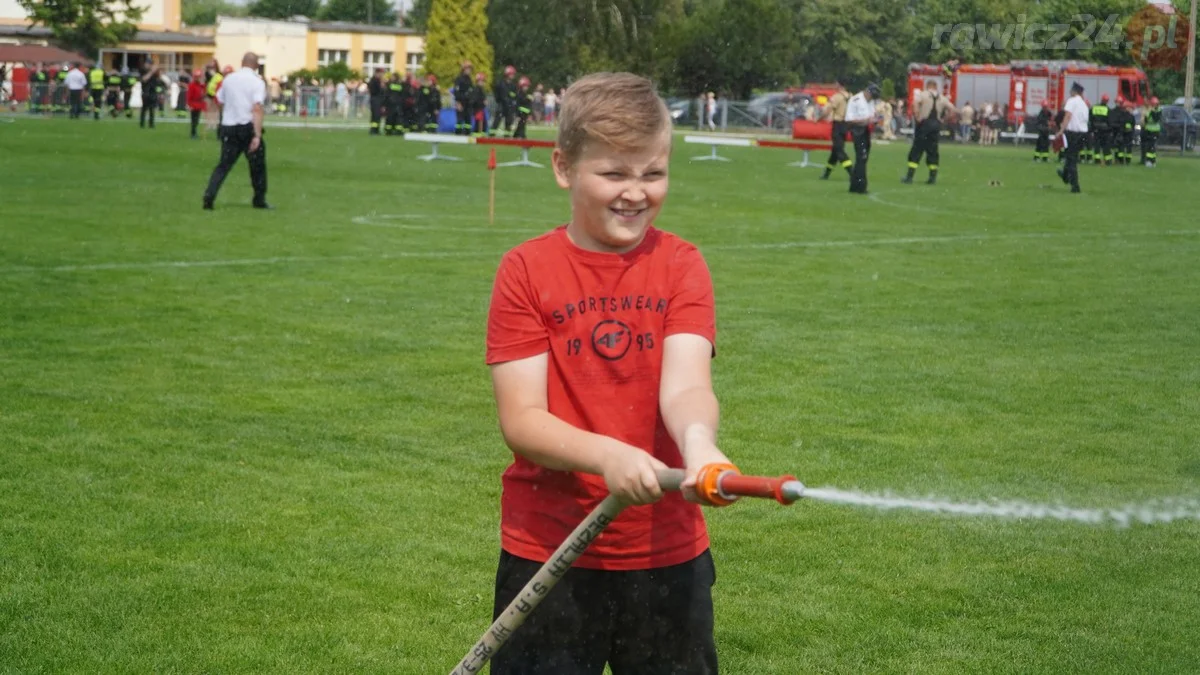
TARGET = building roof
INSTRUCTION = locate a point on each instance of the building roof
(41, 33)
(347, 27)
(38, 54)
(173, 37)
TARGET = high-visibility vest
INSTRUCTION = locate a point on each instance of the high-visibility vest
(1154, 120)
(214, 83)
(114, 80)
(1100, 110)
(96, 77)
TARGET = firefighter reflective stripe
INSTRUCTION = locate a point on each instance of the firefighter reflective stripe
(96, 78)
(1154, 120)
(1100, 110)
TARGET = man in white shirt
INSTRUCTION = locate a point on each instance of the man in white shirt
(860, 111)
(241, 97)
(1074, 130)
(76, 81)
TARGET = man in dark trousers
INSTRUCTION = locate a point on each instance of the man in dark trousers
(478, 101)
(1100, 132)
(835, 110)
(1041, 151)
(375, 94)
(1151, 128)
(429, 104)
(505, 92)
(462, 100)
(393, 97)
(151, 85)
(1073, 132)
(929, 109)
(242, 96)
(860, 111)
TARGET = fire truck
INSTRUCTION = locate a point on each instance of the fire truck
(1020, 86)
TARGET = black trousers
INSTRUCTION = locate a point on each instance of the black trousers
(862, 153)
(463, 127)
(925, 142)
(235, 141)
(195, 121)
(376, 103)
(97, 102)
(520, 131)
(392, 123)
(644, 622)
(504, 113)
(76, 102)
(1102, 148)
(126, 95)
(1042, 149)
(1070, 174)
(837, 152)
(1149, 146)
(149, 105)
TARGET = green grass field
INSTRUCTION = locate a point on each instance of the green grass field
(243, 441)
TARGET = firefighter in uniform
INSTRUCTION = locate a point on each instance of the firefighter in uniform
(1116, 126)
(39, 83)
(151, 88)
(463, 88)
(375, 94)
(505, 92)
(929, 110)
(860, 111)
(409, 88)
(1126, 132)
(96, 86)
(392, 98)
(1041, 152)
(1151, 128)
(113, 83)
(429, 104)
(478, 101)
(524, 103)
(60, 89)
(1101, 134)
(835, 110)
(128, 79)
(1058, 126)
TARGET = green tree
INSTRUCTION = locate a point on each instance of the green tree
(205, 12)
(86, 25)
(417, 16)
(284, 9)
(378, 12)
(857, 40)
(336, 72)
(734, 47)
(457, 31)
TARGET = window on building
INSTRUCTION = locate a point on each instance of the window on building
(415, 61)
(373, 61)
(328, 56)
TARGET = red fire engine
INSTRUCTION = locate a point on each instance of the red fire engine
(1023, 85)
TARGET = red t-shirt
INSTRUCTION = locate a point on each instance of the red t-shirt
(603, 318)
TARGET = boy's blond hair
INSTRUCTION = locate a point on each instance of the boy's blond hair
(621, 110)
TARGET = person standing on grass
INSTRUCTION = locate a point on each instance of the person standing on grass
(195, 99)
(600, 338)
(859, 113)
(151, 82)
(1074, 131)
(835, 110)
(75, 81)
(242, 96)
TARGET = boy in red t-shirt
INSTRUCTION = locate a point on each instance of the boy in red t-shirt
(600, 337)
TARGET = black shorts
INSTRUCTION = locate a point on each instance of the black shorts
(644, 622)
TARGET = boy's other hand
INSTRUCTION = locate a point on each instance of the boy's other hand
(631, 474)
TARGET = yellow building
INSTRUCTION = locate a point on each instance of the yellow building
(287, 46)
(282, 46)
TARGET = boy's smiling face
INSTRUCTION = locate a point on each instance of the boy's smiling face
(615, 194)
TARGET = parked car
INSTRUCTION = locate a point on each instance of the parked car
(683, 111)
(1178, 126)
(777, 109)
